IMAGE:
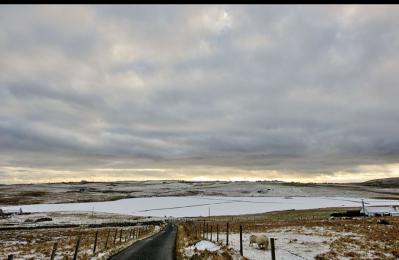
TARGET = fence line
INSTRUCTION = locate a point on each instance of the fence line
(93, 240)
(206, 228)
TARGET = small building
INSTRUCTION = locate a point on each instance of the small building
(9, 212)
(373, 211)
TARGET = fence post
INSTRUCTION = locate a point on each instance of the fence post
(75, 255)
(120, 236)
(95, 242)
(241, 251)
(227, 234)
(200, 231)
(204, 227)
(272, 249)
(130, 234)
(211, 232)
(116, 232)
(10, 257)
(53, 251)
(217, 232)
(106, 240)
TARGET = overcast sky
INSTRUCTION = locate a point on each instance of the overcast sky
(304, 93)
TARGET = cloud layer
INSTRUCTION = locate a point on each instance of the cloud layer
(125, 92)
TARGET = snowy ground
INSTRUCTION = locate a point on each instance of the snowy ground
(199, 206)
(289, 244)
(205, 249)
(69, 218)
(204, 245)
(38, 244)
(300, 242)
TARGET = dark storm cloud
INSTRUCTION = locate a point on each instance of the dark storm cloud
(300, 89)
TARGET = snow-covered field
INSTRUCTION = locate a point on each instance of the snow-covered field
(317, 242)
(192, 206)
(69, 218)
(289, 244)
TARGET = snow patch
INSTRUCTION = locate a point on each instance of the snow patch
(201, 246)
(206, 245)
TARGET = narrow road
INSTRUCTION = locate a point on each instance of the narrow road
(160, 246)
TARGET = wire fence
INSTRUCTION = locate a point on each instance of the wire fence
(80, 243)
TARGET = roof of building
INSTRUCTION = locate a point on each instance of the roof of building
(380, 209)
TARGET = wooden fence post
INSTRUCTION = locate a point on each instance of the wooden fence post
(211, 232)
(53, 251)
(106, 240)
(116, 233)
(200, 230)
(227, 234)
(217, 232)
(120, 236)
(10, 257)
(204, 227)
(272, 249)
(241, 251)
(130, 234)
(75, 255)
(95, 242)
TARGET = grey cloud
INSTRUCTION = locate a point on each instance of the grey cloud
(288, 88)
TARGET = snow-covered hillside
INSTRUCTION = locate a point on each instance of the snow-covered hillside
(105, 191)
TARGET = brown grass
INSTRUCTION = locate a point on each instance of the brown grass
(39, 243)
(356, 237)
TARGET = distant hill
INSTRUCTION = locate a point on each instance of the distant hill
(384, 183)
